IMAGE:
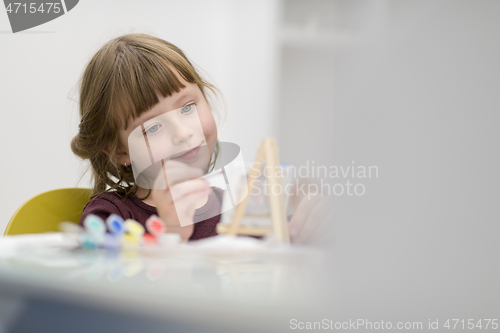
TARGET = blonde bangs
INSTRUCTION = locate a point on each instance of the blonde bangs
(143, 71)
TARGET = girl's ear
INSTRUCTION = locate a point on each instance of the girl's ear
(121, 155)
(106, 150)
(120, 151)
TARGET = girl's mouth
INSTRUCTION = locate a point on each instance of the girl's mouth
(188, 154)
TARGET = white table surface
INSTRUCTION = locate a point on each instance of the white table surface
(220, 288)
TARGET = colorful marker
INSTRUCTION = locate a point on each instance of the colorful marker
(155, 225)
(95, 230)
(115, 224)
(89, 242)
(129, 241)
(94, 225)
(70, 228)
(148, 239)
(134, 228)
(111, 242)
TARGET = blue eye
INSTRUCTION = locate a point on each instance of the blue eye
(153, 129)
(187, 108)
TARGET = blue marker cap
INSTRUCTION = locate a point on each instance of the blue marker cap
(94, 225)
(115, 224)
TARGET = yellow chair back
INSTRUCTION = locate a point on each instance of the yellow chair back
(44, 212)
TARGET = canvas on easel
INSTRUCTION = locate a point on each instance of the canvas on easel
(268, 152)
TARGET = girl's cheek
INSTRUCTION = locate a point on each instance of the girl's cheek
(208, 125)
(210, 132)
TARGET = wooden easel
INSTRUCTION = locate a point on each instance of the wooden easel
(268, 151)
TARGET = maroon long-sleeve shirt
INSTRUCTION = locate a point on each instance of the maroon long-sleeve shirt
(109, 203)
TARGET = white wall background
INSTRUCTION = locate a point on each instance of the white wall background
(232, 41)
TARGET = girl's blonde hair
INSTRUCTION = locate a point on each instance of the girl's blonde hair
(120, 82)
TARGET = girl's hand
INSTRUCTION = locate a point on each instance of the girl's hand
(177, 197)
(308, 223)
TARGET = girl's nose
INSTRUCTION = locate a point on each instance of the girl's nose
(181, 132)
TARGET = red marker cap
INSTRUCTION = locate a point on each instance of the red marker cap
(155, 225)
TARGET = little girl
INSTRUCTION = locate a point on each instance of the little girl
(130, 80)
